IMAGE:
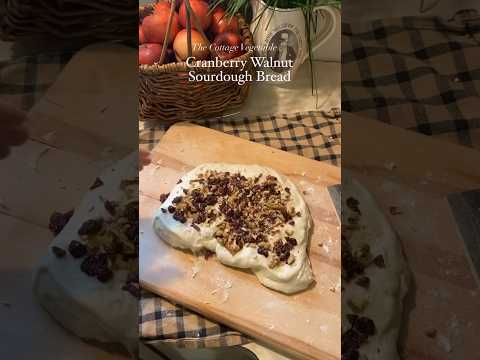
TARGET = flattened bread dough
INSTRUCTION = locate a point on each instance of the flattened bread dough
(382, 301)
(284, 277)
(92, 310)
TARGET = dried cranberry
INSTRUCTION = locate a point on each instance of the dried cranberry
(180, 217)
(291, 241)
(58, 221)
(164, 197)
(177, 200)
(91, 227)
(350, 265)
(88, 265)
(353, 203)
(263, 251)
(365, 326)
(351, 340)
(97, 265)
(102, 259)
(211, 200)
(77, 249)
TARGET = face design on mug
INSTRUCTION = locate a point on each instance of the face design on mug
(283, 46)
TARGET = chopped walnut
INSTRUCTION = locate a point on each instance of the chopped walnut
(291, 259)
(274, 262)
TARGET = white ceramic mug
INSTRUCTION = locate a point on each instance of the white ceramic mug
(280, 34)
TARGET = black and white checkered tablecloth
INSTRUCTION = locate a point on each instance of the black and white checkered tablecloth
(421, 74)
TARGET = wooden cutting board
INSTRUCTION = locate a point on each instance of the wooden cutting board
(415, 174)
(305, 325)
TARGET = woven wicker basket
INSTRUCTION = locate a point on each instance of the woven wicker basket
(167, 95)
(96, 19)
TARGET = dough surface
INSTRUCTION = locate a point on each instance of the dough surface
(287, 278)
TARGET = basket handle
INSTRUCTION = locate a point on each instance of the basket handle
(167, 35)
(190, 15)
(189, 34)
(199, 28)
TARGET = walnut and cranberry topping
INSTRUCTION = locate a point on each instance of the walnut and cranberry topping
(356, 258)
(108, 244)
(245, 212)
(353, 338)
(98, 266)
(91, 227)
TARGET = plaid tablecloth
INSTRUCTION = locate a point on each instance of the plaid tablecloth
(421, 74)
(313, 134)
(24, 80)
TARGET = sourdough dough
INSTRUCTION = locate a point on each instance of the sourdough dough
(92, 310)
(287, 278)
(369, 235)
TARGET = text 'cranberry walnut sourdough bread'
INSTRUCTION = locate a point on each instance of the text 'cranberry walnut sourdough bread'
(250, 216)
(375, 278)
